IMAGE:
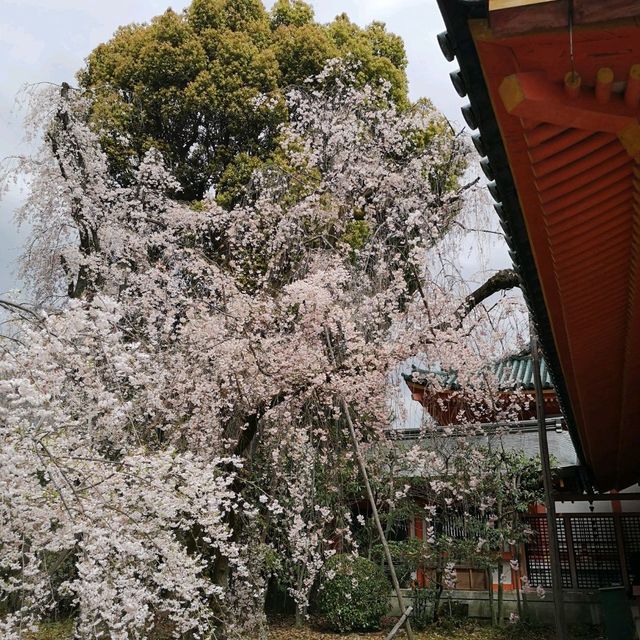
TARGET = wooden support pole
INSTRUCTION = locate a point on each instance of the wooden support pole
(554, 551)
(374, 509)
(396, 628)
(571, 551)
(376, 517)
(622, 556)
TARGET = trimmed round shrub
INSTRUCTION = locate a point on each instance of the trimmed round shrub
(353, 595)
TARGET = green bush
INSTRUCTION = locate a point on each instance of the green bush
(452, 614)
(353, 594)
(423, 605)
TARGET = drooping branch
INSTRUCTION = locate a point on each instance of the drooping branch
(20, 309)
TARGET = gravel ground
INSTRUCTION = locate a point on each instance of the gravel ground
(285, 631)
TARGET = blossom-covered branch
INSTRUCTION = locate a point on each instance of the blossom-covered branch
(174, 431)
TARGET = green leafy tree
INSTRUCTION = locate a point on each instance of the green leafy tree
(291, 13)
(206, 86)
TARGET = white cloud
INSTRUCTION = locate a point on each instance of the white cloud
(122, 11)
(386, 6)
(19, 45)
(44, 40)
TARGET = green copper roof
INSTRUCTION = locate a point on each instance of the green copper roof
(512, 372)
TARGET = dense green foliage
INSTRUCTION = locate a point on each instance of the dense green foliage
(206, 87)
(354, 594)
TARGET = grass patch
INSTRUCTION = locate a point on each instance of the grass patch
(53, 631)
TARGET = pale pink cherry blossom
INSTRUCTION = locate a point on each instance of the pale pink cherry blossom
(176, 429)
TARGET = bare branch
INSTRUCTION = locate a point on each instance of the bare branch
(500, 281)
(14, 306)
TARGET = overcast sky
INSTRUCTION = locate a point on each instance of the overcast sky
(47, 40)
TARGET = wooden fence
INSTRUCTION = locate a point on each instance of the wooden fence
(596, 550)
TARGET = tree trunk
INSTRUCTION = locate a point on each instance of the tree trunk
(221, 572)
(525, 606)
(500, 594)
(301, 610)
(438, 595)
(518, 596)
(492, 607)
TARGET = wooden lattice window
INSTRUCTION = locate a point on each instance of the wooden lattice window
(538, 554)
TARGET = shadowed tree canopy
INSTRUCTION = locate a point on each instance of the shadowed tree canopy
(206, 86)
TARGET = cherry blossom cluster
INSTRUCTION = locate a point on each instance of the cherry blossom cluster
(172, 418)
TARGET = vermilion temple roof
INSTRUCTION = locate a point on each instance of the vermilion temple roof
(554, 89)
(511, 382)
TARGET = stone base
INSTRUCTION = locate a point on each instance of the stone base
(581, 607)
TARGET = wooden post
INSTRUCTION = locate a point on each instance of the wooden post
(374, 509)
(622, 557)
(632, 91)
(376, 518)
(396, 628)
(604, 83)
(571, 551)
(554, 551)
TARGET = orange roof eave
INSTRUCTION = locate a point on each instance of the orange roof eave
(575, 156)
